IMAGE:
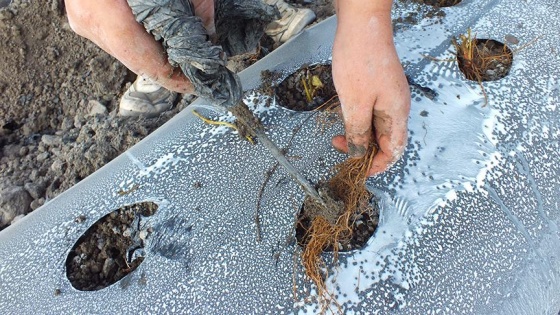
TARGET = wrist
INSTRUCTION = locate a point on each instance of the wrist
(365, 21)
(363, 8)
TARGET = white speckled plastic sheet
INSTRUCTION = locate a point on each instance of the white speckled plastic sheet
(470, 214)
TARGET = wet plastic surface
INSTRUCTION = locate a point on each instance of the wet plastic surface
(469, 215)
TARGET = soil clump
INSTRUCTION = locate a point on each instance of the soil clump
(364, 222)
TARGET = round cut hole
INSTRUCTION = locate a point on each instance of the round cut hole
(362, 223)
(440, 3)
(483, 59)
(110, 249)
(307, 89)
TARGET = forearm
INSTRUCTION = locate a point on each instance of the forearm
(356, 18)
(364, 33)
(365, 7)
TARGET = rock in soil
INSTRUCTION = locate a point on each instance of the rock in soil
(14, 201)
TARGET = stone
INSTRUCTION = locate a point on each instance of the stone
(11, 150)
(511, 39)
(79, 121)
(96, 108)
(17, 218)
(58, 166)
(42, 156)
(36, 191)
(51, 140)
(95, 268)
(14, 201)
(67, 124)
(108, 266)
(37, 203)
(6, 15)
(34, 175)
(56, 152)
(23, 151)
(53, 187)
(27, 130)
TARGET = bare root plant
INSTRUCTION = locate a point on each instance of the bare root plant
(345, 196)
(478, 60)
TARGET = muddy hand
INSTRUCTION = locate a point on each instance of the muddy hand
(370, 83)
(111, 25)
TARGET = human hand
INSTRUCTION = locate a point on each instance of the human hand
(371, 84)
(111, 25)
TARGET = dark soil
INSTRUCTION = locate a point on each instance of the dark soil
(439, 3)
(491, 61)
(269, 79)
(246, 122)
(322, 8)
(307, 89)
(414, 17)
(110, 249)
(240, 62)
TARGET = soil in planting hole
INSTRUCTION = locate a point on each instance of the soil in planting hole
(307, 89)
(110, 249)
(364, 223)
(484, 59)
(440, 3)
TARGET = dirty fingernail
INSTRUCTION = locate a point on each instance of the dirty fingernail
(356, 150)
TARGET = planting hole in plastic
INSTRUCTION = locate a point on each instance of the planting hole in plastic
(307, 89)
(484, 59)
(363, 227)
(111, 248)
(441, 3)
